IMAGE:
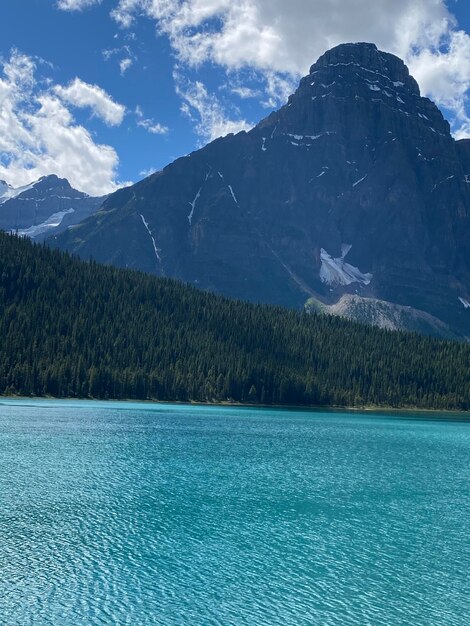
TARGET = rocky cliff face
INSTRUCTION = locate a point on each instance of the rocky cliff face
(45, 207)
(355, 186)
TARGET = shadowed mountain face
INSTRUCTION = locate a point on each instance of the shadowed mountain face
(355, 186)
(45, 207)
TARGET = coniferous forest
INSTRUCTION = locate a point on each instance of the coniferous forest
(74, 329)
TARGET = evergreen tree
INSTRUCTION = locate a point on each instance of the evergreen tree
(70, 328)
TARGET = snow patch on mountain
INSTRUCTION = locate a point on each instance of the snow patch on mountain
(359, 181)
(151, 237)
(233, 195)
(7, 191)
(51, 223)
(4, 188)
(193, 205)
(335, 271)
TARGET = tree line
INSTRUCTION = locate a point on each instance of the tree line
(71, 328)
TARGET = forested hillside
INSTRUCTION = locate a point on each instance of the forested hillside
(71, 328)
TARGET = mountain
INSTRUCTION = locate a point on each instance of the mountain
(79, 329)
(354, 188)
(45, 207)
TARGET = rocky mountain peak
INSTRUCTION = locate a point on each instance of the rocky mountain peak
(367, 57)
(354, 189)
(358, 90)
(51, 182)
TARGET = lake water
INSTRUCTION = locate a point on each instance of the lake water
(138, 514)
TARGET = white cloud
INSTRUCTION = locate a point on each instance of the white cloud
(125, 10)
(445, 77)
(147, 172)
(285, 37)
(38, 135)
(110, 52)
(125, 52)
(81, 94)
(124, 65)
(245, 92)
(152, 127)
(206, 111)
(278, 87)
(76, 5)
(281, 39)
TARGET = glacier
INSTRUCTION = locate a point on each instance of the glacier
(335, 271)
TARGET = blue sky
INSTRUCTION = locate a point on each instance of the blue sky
(104, 91)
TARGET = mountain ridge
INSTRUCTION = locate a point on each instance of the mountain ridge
(355, 186)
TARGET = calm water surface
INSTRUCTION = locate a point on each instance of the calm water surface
(136, 514)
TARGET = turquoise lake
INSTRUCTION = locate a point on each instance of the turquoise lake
(138, 514)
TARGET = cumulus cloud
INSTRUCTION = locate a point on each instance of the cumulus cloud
(286, 37)
(280, 40)
(39, 136)
(125, 11)
(83, 95)
(445, 77)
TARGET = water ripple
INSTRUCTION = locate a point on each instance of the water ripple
(139, 515)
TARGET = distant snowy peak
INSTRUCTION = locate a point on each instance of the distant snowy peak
(41, 186)
(43, 207)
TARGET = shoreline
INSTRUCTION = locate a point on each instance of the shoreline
(228, 404)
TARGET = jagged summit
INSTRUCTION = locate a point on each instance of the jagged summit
(355, 187)
(50, 181)
(362, 90)
(52, 178)
(367, 56)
